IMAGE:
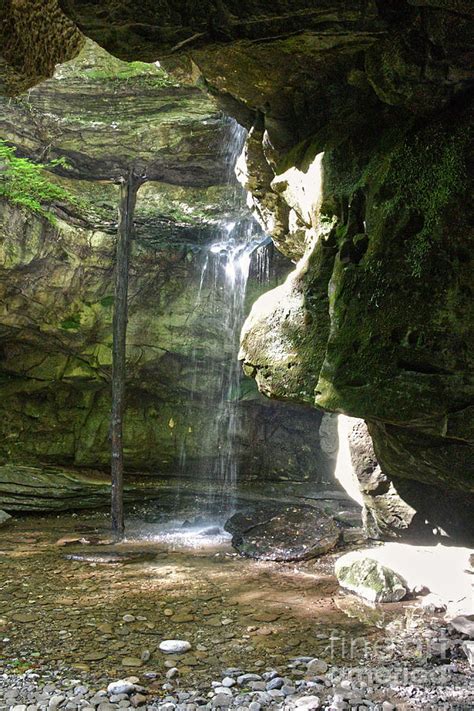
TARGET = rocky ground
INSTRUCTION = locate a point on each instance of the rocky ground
(76, 619)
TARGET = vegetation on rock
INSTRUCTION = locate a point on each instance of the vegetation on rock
(27, 184)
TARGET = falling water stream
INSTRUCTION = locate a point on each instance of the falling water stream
(226, 269)
(208, 432)
(214, 379)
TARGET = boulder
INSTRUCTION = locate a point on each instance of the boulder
(415, 568)
(369, 578)
(469, 650)
(4, 517)
(464, 624)
(281, 532)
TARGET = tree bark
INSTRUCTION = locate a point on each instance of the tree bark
(128, 194)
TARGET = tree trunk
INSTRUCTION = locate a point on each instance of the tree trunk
(128, 194)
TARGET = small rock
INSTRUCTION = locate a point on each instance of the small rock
(129, 618)
(223, 690)
(433, 603)
(317, 667)
(275, 683)
(132, 679)
(131, 662)
(172, 673)
(228, 681)
(469, 649)
(138, 700)
(244, 679)
(174, 646)
(221, 700)
(94, 656)
(308, 702)
(122, 686)
(464, 624)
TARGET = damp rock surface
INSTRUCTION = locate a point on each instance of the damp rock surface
(281, 532)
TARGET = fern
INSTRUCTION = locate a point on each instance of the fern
(27, 185)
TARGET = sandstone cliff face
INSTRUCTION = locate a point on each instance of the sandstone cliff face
(56, 293)
(376, 321)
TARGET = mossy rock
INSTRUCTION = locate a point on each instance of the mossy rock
(369, 578)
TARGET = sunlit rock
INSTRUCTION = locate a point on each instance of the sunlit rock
(413, 567)
(369, 578)
(174, 646)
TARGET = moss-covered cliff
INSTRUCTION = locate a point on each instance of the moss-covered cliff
(87, 124)
(376, 321)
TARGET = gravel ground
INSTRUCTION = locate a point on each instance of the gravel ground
(442, 681)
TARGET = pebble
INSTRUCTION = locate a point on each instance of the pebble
(55, 701)
(131, 662)
(174, 646)
(244, 679)
(138, 700)
(222, 700)
(308, 702)
(122, 686)
(316, 667)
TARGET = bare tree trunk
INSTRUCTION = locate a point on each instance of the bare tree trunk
(128, 194)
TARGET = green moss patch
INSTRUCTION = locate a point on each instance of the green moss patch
(26, 184)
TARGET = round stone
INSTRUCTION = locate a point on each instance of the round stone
(175, 646)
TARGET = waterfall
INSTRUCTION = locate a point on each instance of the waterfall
(220, 300)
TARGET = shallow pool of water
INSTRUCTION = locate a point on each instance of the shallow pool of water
(100, 611)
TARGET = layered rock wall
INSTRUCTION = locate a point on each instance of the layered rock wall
(376, 321)
(98, 116)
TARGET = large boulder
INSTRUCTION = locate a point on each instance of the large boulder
(368, 578)
(381, 574)
(282, 533)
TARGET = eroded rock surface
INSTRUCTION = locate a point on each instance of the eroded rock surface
(49, 489)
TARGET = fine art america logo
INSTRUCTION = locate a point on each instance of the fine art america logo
(384, 663)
